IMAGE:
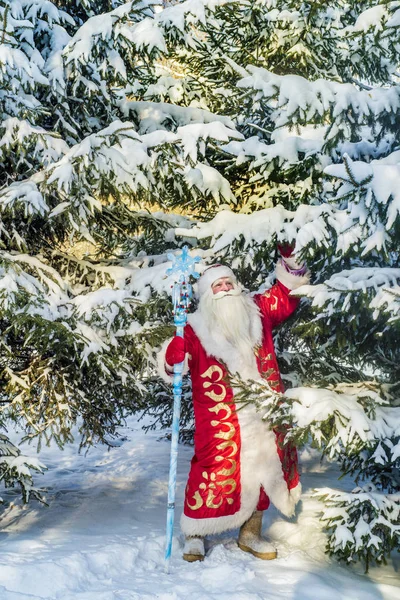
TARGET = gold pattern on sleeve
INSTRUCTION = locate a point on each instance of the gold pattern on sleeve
(274, 306)
(211, 370)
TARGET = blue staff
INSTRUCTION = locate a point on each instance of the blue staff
(182, 266)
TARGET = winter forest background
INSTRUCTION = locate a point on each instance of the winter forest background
(129, 129)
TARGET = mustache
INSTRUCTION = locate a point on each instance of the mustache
(231, 293)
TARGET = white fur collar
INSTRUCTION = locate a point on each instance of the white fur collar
(215, 344)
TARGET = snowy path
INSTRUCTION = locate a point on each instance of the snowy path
(102, 538)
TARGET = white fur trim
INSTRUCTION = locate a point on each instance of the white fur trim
(259, 466)
(292, 262)
(288, 279)
(161, 363)
(211, 274)
(295, 493)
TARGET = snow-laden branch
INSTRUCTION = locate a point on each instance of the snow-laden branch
(47, 145)
(30, 289)
(363, 523)
(126, 23)
(378, 182)
(294, 98)
(288, 152)
(15, 63)
(118, 156)
(342, 420)
(154, 116)
(307, 224)
(16, 468)
(379, 285)
(353, 417)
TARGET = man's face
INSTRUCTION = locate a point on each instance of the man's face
(224, 284)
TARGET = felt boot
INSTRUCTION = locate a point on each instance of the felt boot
(194, 548)
(250, 539)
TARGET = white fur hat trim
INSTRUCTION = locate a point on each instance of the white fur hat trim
(211, 274)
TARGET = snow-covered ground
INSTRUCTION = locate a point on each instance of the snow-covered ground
(103, 536)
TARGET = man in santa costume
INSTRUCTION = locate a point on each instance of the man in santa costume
(240, 465)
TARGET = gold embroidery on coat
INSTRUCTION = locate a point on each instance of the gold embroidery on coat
(274, 306)
(218, 394)
(211, 370)
(210, 503)
(231, 483)
(226, 472)
(221, 406)
(198, 501)
(214, 396)
(232, 445)
(224, 435)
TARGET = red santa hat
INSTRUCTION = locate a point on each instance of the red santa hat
(210, 276)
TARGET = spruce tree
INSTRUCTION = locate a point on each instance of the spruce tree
(318, 104)
(79, 184)
(230, 125)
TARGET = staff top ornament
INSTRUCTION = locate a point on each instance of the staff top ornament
(183, 266)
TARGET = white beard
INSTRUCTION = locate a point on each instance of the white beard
(232, 315)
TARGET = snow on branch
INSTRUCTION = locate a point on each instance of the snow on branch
(30, 289)
(16, 468)
(37, 10)
(22, 277)
(378, 181)
(190, 12)
(118, 157)
(16, 64)
(387, 301)
(370, 17)
(380, 285)
(361, 524)
(47, 146)
(355, 418)
(296, 99)
(288, 152)
(125, 24)
(342, 420)
(394, 21)
(306, 224)
(154, 116)
(54, 66)
(27, 195)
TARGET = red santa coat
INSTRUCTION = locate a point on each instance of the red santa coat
(239, 463)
